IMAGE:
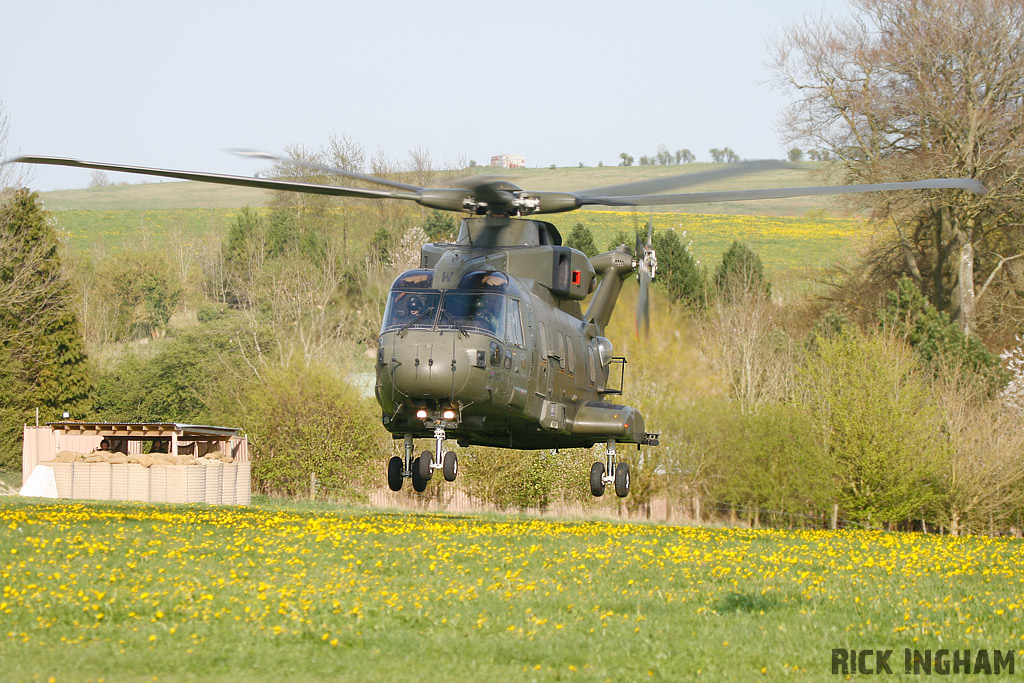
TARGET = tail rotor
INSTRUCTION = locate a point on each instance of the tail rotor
(646, 263)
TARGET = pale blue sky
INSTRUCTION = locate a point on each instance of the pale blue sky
(174, 83)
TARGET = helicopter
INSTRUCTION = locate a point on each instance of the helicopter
(486, 341)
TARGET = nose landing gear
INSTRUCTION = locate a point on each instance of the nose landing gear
(601, 474)
(421, 468)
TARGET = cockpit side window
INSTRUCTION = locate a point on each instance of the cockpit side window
(514, 323)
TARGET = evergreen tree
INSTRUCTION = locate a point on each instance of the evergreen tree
(741, 268)
(42, 355)
(939, 341)
(678, 271)
(581, 238)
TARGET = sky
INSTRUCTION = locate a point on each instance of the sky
(174, 84)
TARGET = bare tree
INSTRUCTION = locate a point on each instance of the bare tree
(345, 153)
(742, 338)
(99, 179)
(11, 175)
(906, 89)
(983, 478)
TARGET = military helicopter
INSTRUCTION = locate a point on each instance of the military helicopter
(486, 342)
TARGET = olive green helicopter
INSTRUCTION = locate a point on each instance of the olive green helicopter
(486, 342)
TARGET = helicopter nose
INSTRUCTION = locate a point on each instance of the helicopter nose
(428, 365)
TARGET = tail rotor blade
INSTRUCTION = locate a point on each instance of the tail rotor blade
(643, 304)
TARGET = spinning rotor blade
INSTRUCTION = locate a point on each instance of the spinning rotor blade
(494, 196)
(969, 184)
(257, 154)
(647, 264)
(676, 182)
(263, 183)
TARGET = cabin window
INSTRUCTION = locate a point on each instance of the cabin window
(543, 342)
(477, 312)
(514, 323)
(570, 355)
(411, 309)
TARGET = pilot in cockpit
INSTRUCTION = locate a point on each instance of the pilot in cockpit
(485, 311)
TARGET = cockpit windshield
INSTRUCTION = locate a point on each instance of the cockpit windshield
(413, 304)
(474, 311)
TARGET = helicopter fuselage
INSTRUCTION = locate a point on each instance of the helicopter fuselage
(487, 340)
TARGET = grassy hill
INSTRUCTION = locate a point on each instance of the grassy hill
(795, 237)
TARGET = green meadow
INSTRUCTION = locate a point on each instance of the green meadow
(285, 591)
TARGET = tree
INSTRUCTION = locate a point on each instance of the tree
(663, 156)
(42, 355)
(678, 271)
(141, 291)
(627, 160)
(796, 154)
(684, 156)
(879, 424)
(741, 267)
(11, 175)
(939, 341)
(99, 179)
(723, 155)
(910, 89)
(581, 238)
(440, 227)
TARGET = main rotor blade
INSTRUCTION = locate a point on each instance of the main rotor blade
(969, 184)
(257, 154)
(262, 183)
(676, 182)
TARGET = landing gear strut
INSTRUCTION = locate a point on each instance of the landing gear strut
(421, 468)
(602, 474)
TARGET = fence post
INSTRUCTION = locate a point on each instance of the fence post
(835, 515)
(696, 508)
(312, 485)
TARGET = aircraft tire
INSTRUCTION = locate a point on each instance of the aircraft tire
(424, 465)
(622, 480)
(395, 473)
(596, 479)
(418, 482)
(451, 466)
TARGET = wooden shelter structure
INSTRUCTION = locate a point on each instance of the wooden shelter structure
(43, 442)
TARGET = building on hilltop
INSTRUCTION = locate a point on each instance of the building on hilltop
(508, 161)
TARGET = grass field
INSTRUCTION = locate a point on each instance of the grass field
(795, 237)
(283, 592)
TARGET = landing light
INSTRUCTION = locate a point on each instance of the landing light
(421, 414)
(448, 414)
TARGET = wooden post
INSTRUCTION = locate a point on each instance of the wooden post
(696, 508)
(835, 515)
(312, 485)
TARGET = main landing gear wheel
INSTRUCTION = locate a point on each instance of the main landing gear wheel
(597, 479)
(418, 482)
(424, 465)
(621, 480)
(395, 473)
(451, 466)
